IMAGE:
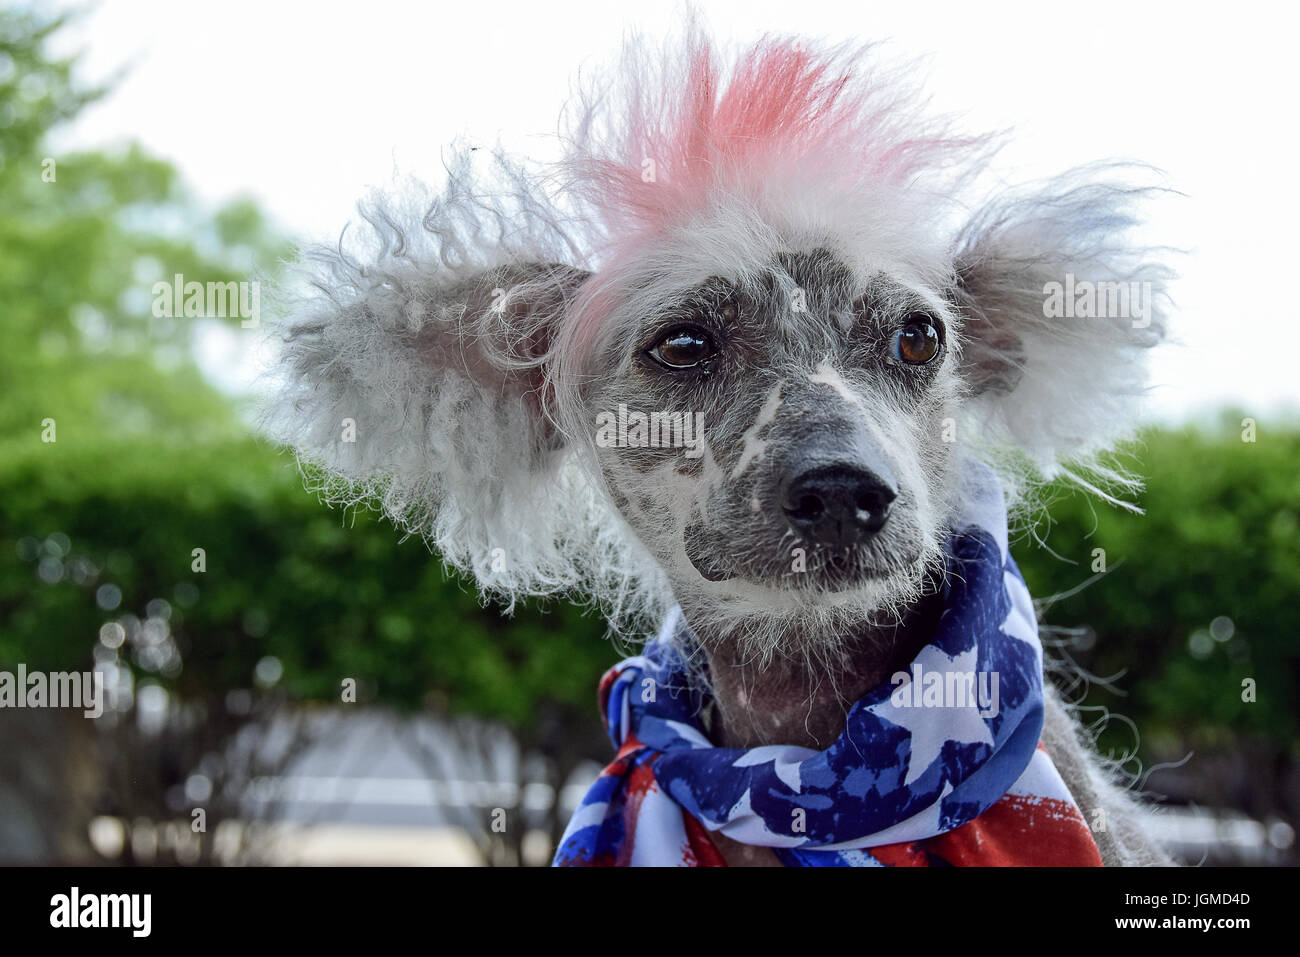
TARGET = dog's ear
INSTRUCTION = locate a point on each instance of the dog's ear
(418, 381)
(1060, 304)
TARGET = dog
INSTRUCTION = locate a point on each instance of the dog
(743, 359)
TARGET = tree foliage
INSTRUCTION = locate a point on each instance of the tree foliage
(1200, 591)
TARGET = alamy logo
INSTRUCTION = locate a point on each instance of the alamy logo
(212, 300)
(946, 689)
(58, 689)
(1082, 299)
(75, 909)
(651, 430)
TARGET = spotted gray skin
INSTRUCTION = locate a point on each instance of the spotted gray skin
(802, 377)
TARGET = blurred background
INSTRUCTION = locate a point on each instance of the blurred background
(307, 687)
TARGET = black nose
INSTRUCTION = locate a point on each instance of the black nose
(838, 505)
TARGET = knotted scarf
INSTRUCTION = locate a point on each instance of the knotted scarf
(941, 765)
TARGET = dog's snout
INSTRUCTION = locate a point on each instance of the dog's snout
(838, 505)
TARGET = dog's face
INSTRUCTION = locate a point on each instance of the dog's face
(775, 433)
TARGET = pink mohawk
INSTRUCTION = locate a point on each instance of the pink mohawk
(683, 132)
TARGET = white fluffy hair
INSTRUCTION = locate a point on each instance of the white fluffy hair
(444, 451)
(1075, 388)
(454, 331)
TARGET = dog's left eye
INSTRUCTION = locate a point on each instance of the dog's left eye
(683, 349)
(917, 341)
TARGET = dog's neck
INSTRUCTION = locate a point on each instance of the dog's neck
(794, 701)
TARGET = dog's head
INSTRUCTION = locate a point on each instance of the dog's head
(771, 421)
(736, 360)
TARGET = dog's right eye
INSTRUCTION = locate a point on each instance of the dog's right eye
(683, 349)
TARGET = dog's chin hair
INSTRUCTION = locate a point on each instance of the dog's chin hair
(808, 627)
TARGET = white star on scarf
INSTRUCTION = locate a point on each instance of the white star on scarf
(785, 761)
(742, 823)
(931, 728)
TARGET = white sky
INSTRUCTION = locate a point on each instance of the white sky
(306, 105)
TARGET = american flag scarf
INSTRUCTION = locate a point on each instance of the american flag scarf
(940, 766)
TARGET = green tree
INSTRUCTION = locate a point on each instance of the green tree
(1196, 608)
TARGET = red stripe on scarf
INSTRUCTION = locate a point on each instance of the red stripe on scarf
(702, 851)
(1017, 831)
